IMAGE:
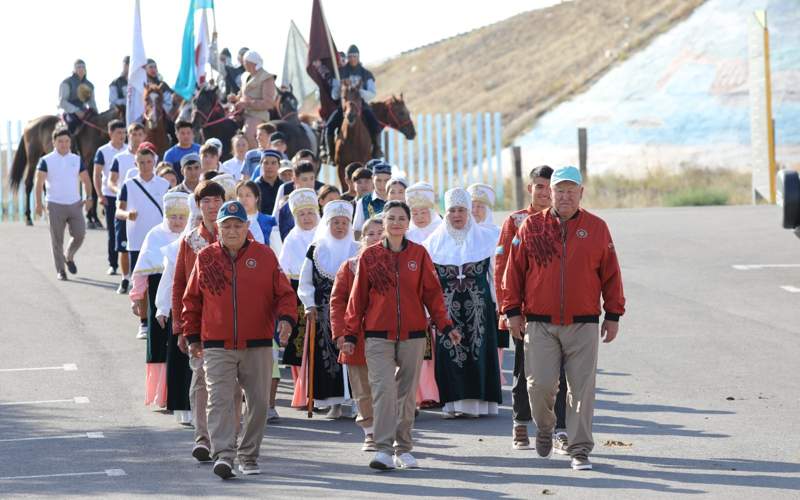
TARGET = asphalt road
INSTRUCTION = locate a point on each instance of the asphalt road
(701, 387)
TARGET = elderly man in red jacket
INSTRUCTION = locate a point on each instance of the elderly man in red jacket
(562, 261)
(235, 295)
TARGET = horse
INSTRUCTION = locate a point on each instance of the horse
(37, 141)
(298, 134)
(392, 112)
(155, 119)
(354, 143)
(209, 117)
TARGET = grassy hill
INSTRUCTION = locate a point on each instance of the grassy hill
(525, 65)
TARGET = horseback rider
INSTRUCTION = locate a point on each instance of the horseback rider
(230, 76)
(76, 96)
(357, 76)
(155, 78)
(118, 90)
(256, 97)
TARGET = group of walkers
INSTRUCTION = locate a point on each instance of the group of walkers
(375, 302)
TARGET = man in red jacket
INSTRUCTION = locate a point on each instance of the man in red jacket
(539, 189)
(235, 295)
(562, 261)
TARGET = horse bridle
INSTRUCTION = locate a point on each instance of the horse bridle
(398, 124)
(207, 116)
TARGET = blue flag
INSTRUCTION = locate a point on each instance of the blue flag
(187, 77)
(188, 74)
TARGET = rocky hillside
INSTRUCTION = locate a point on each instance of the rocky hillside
(525, 65)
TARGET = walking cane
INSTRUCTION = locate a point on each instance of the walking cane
(311, 332)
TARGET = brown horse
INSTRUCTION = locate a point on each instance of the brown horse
(392, 112)
(37, 141)
(354, 143)
(155, 119)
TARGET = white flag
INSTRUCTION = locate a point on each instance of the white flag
(137, 77)
(201, 49)
(294, 66)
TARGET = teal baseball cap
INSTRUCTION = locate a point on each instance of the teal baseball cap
(570, 173)
(232, 210)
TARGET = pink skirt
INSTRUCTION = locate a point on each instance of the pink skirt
(155, 387)
(427, 390)
(300, 396)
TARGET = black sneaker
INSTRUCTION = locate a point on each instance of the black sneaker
(123, 287)
(223, 469)
(71, 267)
(61, 276)
(544, 444)
(201, 453)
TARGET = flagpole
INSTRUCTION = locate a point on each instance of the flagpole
(334, 55)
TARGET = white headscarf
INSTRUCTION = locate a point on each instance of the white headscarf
(253, 57)
(330, 252)
(151, 257)
(484, 193)
(295, 246)
(421, 195)
(455, 247)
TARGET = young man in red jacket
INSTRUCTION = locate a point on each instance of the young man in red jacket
(235, 295)
(562, 261)
(539, 189)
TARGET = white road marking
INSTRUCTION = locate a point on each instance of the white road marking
(76, 400)
(749, 267)
(89, 435)
(67, 367)
(791, 289)
(107, 472)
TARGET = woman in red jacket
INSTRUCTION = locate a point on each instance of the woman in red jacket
(394, 275)
(356, 362)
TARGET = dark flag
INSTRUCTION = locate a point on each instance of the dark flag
(322, 59)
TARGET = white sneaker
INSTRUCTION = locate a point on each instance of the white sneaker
(382, 461)
(335, 412)
(272, 415)
(142, 332)
(406, 461)
(184, 417)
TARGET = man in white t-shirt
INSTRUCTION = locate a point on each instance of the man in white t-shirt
(140, 204)
(108, 198)
(235, 165)
(61, 173)
(117, 175)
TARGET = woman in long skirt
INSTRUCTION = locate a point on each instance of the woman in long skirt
(332, 245)
(468, 375)
(146, 279)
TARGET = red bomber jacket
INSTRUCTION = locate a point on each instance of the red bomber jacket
(234, 302)
(557, 271)
(342, 286)
(392, 291)
(507, 233)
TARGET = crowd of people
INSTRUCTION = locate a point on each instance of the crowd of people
(377, 304)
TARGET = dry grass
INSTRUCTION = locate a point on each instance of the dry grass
(690, 186)
(525, 65)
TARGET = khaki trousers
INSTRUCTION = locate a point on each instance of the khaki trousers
(358, 375)
(393, 378)
(198, 401)
(225, 371)
(545, 345)
(61, 217)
